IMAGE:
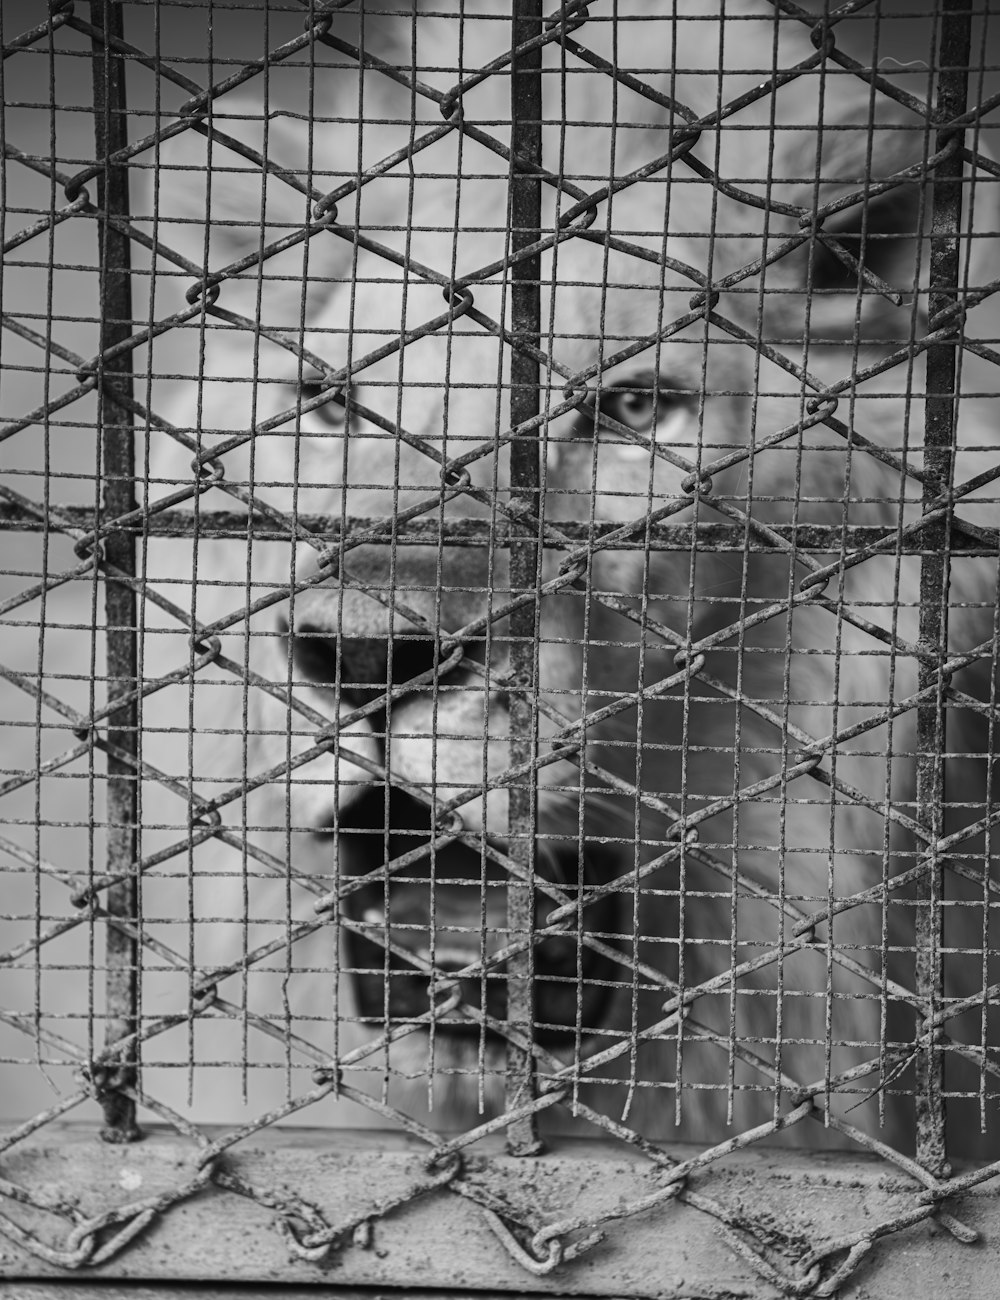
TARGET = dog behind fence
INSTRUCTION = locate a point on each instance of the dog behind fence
(542, 673)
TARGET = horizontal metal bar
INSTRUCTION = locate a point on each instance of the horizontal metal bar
(218, 525)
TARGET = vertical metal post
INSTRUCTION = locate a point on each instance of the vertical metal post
(118, 467)
(954, 43)
(525, 480)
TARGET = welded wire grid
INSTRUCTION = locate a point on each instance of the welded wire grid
(127, 617)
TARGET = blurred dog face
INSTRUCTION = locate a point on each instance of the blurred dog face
(390, 413)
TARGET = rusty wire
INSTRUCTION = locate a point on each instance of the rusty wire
(104, 882)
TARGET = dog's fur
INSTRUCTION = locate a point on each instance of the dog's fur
(687, 748)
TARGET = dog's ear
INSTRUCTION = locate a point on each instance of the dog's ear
(227, 188)
(856, 275)
(879, 234)
(882, 229)
(212, 198)
(248, 170)
(864, 273)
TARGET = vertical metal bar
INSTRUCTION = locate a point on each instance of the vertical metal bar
(525, 479)
(954, 43)
(118, 468)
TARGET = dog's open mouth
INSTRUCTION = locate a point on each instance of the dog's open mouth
(444, 913)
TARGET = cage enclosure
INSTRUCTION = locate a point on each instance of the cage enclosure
(499, 670)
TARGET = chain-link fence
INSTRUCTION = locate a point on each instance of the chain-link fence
(500, 629)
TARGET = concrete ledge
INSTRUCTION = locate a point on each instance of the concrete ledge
(781, 1205)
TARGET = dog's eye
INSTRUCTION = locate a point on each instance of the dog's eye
(637, 409)
(329, 413)
(643, 404)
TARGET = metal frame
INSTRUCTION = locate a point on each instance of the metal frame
(105, 545)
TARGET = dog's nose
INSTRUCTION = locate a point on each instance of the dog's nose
(364, 666)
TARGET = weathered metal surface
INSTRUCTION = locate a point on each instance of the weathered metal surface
(22, 1290)
(743, 1223)
(443, 1240)
(210, 525)
(525, 576)
(114, 378)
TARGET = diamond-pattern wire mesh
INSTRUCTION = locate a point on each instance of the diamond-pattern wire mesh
(404, 638)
